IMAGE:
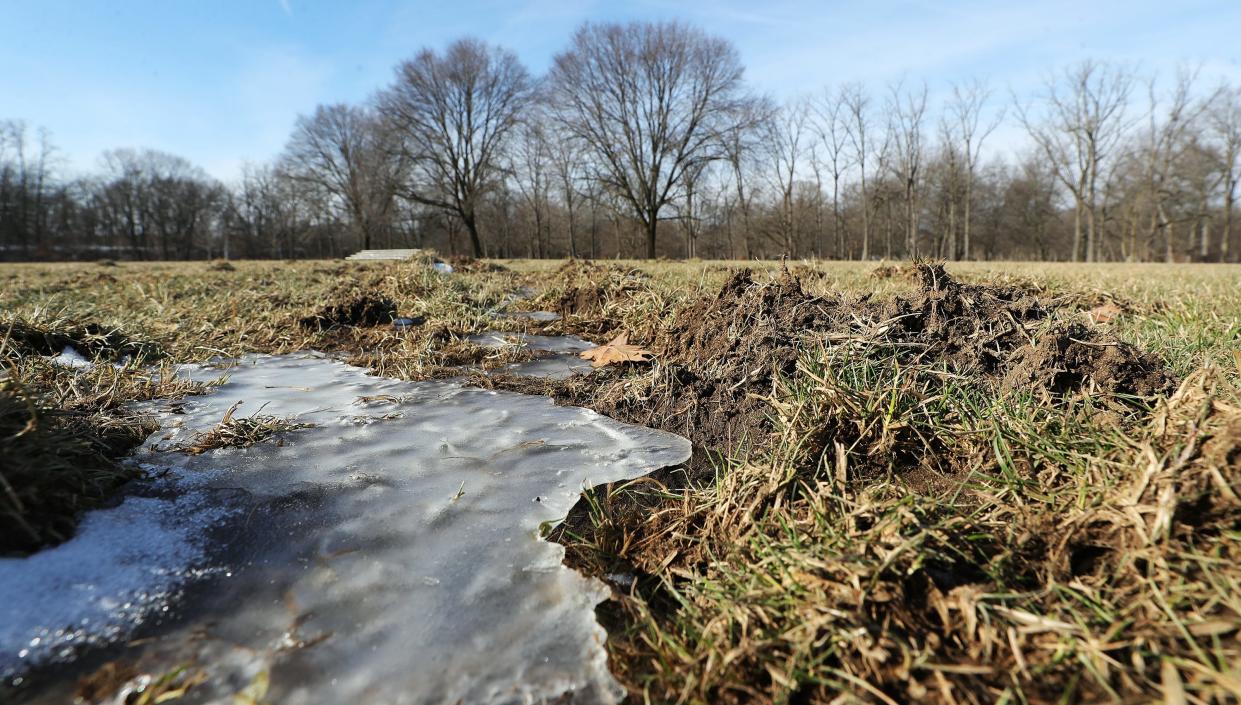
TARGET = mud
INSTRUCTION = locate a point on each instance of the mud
(358, 310)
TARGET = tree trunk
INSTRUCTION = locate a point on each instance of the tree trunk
(471, 226)
(1077, 231)
(652, 224)
(965, 223)
(1225, 242)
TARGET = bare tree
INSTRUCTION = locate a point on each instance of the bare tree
(345, 152)
(650, 101)
(25, 188)
(857, 102)
(570, 174)
(454, 113)
(154, 203)
(532, 167)
(1083, 122)
(784, 141)
(969, 130)
(906, 111)
(1225, 129)
(740, 148)
(1168, 144)
(833, 131)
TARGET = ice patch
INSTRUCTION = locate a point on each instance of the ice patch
(123, 565)
(391, 554)
(549, 343)
(555, 367)
(539, 316)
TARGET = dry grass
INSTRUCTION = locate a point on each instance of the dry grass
(903, 532)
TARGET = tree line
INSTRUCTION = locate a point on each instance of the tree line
(644, 140)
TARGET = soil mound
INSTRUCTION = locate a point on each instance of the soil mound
(1074, 357)
(727, 351)
(462, 263)
(359, 310)
(894, 271)
(721, 357)
(91, 339)
(590, 287)
(971, 328)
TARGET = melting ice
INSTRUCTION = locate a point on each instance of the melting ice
(387, 555)
(563, 364)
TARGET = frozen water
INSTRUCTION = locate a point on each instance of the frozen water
(537, 315)
(391, 553)
(124, 564)
(550, 343)
(563, 365)
(554, 367)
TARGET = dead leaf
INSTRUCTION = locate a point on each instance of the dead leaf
(1104, 313)
(615, 352)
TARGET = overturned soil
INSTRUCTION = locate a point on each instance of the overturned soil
(358, 310)
(720, 358)
(590, 287)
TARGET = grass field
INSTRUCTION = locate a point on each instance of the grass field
(1004, 483)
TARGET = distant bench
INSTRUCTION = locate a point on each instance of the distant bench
(374, 255)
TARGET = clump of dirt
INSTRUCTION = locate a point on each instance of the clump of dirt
(221, 265)
(971, 328)
(87, 279)
(590, 287)
(723, 353)
(469, 265)
(91, 339)
(358, 310)
(894, 271)
(1075, 357)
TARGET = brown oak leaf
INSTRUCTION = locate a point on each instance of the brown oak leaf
(1104, 313)
(617, 351)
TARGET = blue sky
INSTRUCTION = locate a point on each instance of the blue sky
(222, 82)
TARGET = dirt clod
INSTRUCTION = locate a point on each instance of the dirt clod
(359, 310)
(1074, 357)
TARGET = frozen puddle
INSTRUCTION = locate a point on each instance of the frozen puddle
(549, 343)
(564, 363)
(388, 555)
(539, 316)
